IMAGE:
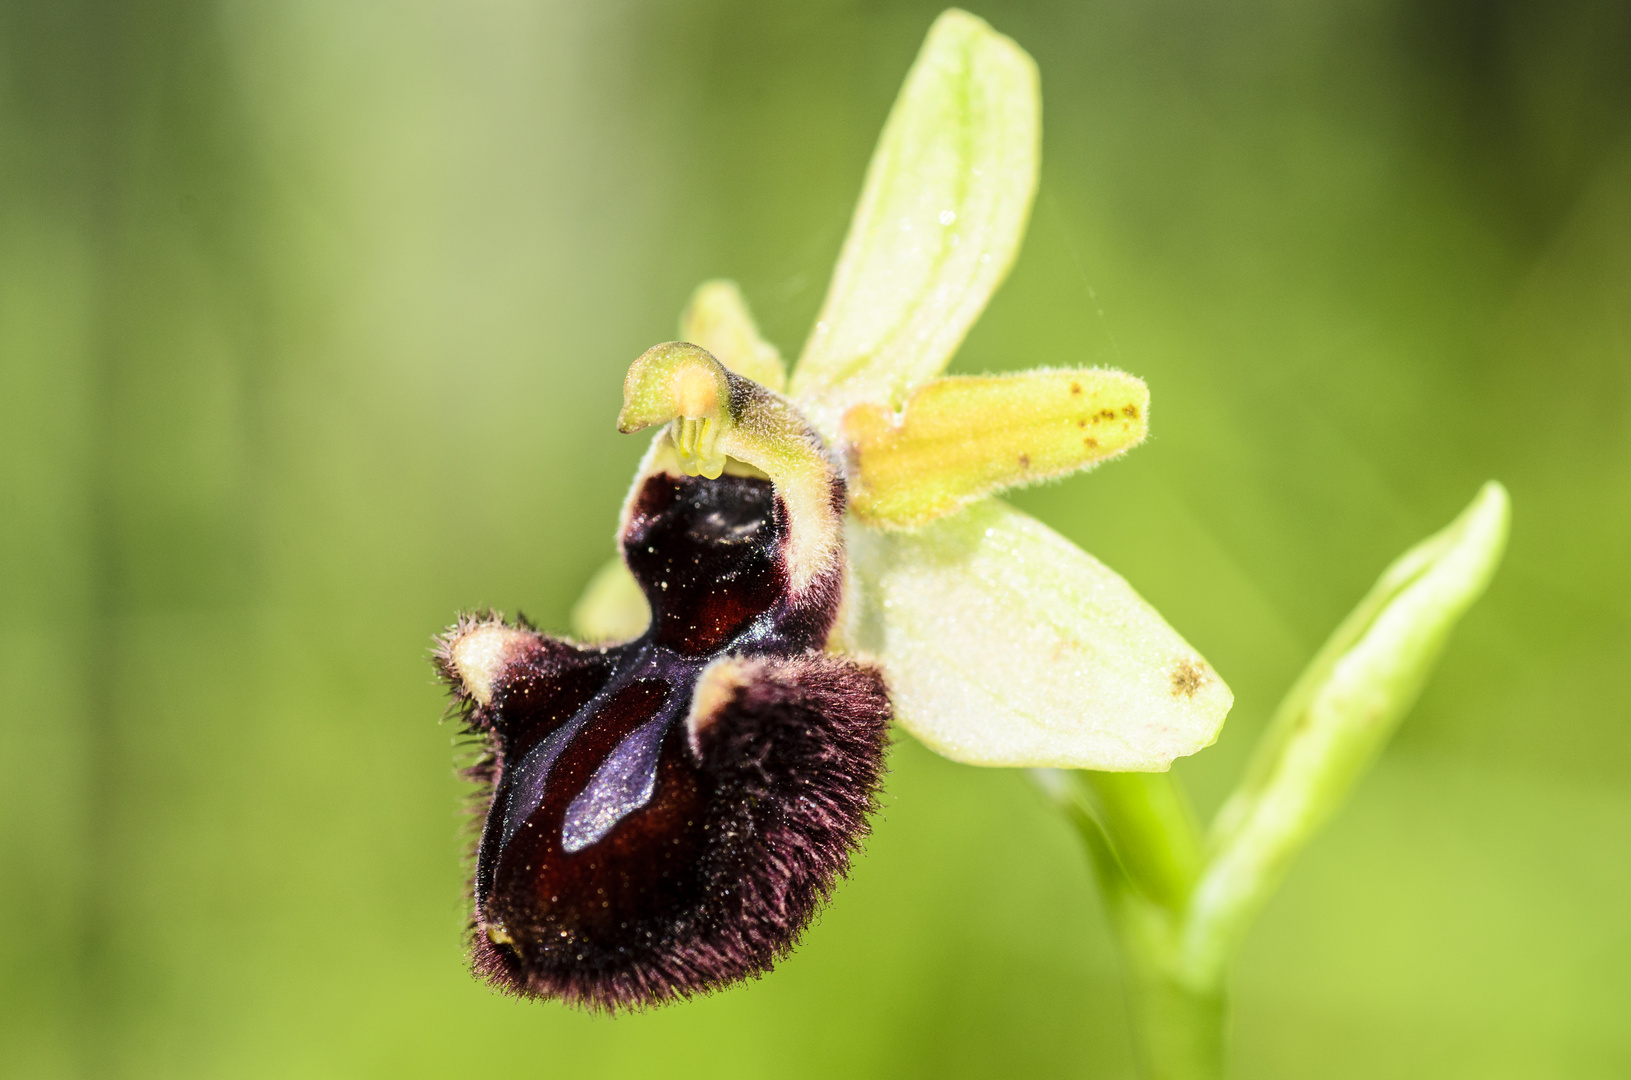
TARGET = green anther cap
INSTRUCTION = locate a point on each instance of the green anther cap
(681, 384)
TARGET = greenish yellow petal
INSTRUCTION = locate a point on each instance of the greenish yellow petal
(612, 607)
(939, 222)
(1006, 644)
(960, 439)
(717, 318)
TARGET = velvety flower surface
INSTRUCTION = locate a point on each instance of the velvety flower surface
(667, 808)
(667, 813)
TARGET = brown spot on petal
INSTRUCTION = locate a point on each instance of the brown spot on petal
(1025, 461)
(1188, 676)
(1076, 388)
(1130, 410)
(1090, 442)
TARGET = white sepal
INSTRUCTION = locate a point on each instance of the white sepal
(940, 220)
(1006, 644)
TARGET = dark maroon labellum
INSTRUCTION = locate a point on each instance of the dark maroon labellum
(667, 814)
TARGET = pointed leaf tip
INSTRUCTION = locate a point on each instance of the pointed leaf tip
(1335, 720)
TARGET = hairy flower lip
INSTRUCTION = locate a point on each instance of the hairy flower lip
(666, 814)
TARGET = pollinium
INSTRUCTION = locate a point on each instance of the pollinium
(666, 815)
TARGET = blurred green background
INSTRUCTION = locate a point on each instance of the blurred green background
(313, 318)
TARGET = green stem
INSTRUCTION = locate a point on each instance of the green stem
(1153, 833)
(1146, 855)
(1178, 1031)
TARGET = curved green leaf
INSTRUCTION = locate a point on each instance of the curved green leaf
(1335, 720)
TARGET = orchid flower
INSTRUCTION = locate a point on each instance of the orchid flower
(1003, 642)
(802, 559)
